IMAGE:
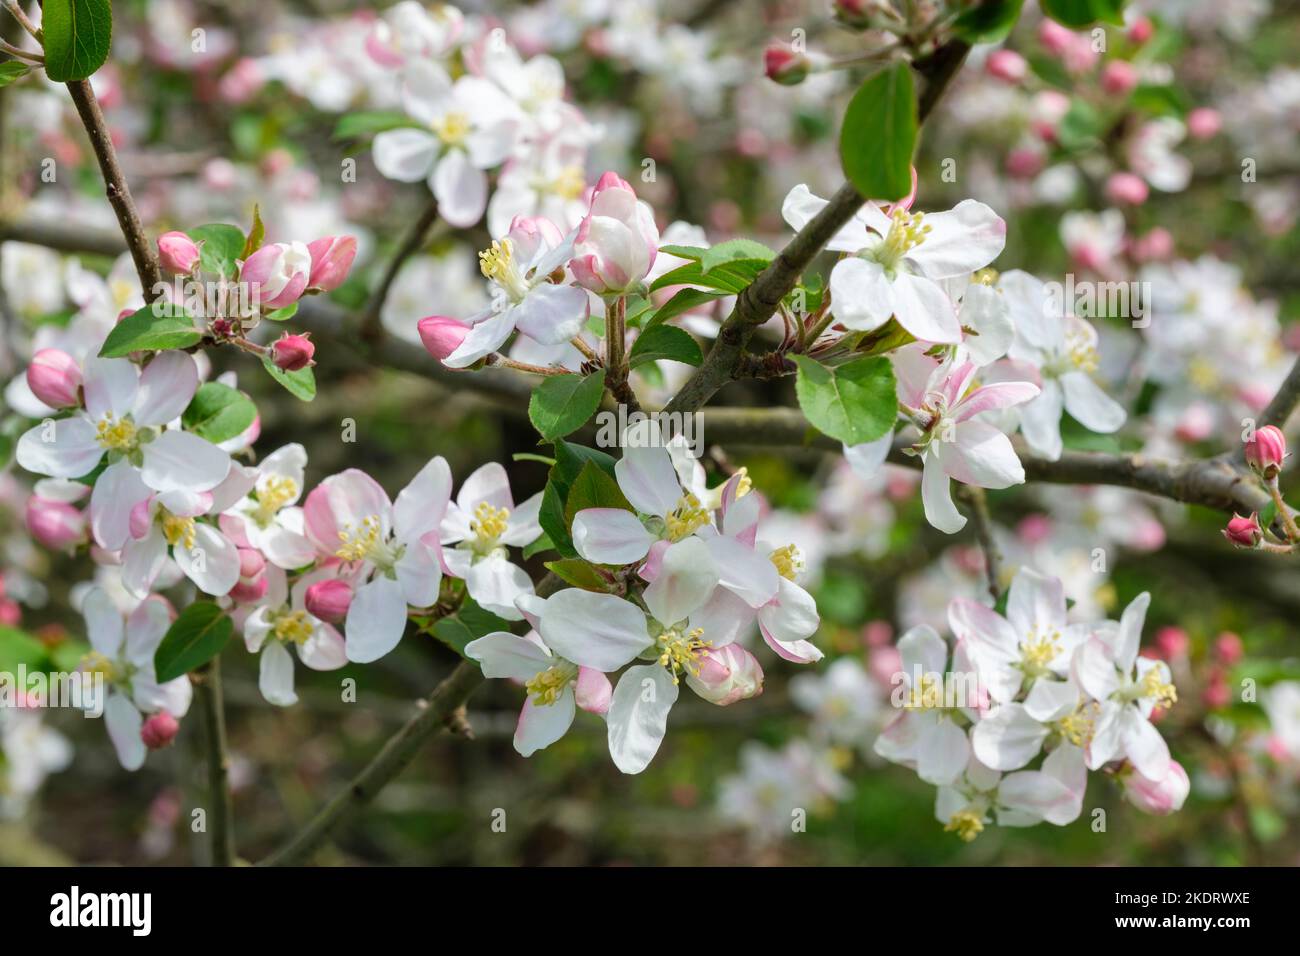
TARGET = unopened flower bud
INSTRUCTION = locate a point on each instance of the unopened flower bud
(331, 258)
(1244, 532)
(784, 66)
(727, 674)
(1119, 77)
(177, 252)
(1228, 648)
(278, 272)
(56, 524)
(1141, 31)
(1204, 123)
(1007, 65)
(329, 600)
(55, 378)
(159, 730)
(248, 592)
(251, 563)
(1160, 797)
(442, 335)
(1266, 451)
(293, 352)
(1127, 189)
(854, 14)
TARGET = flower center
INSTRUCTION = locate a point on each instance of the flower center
(488, 525)
(906, 231)
(967, 824)
(788, 561)
(1039, 651)
(568, 183)
(366, 544)
(1082, 353)
(116, 434)
(1077, 727)
(451, 128)
(545, 687)
(96, 663)
(276, 492)
(293, 626)
(927, 694)
(177, 530)
(686, 518)
(497, 264)
(678, 651)
(1153, 685)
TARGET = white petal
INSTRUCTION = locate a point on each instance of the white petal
(376, 620)
(648, 479)
(610, 536)
(1143, 745)
(1040, 421)
(406, 155)
(1008, 738)
(496, 583)
(924, 309)
(638, 715)
(103, 622)
(743, 571)
(420, 505)
(117, 492)
(862, 297)
(275, 675)
(866, 459)
(594, 630)
(166, 387)
(123, 722)
(552, 314)
(71, 450)
(212, 564)
(110, 386)
(541, 725)
(687, 576)
(507, 655)
(179, 461)
(942, 753)
(460, 188)
(1089, 405)
(939, 509)
(980, 456)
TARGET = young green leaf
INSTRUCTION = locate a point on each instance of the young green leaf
(879, 135)
(300, 384)
(665, 342)
(255, 235)
(220, 245)
(155, 328)
(357, 125)
(194, 638)
(988, 22)
(76, 37)
(563, 403)
(218, 412)
(854, 402)
(581, 574)
(1081, 13)
(683, 300)
(12, 70)
(593, 489)
(735, 250)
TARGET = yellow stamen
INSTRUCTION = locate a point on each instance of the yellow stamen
(276, 492)
(928, 695)
(116, 434)
(452, 128)
(986, 276)
(686, 518)
(293, 626)
(1038, 652)
(494, 262)
(967, 824)
(1077, 727)
(1083, 354)
(906, 232)
(357, 545)
(745, 485)
(1154, 685)
(788, 561)
(545, 687)
(568, 183)
(178, 530)
(96, 663)
(680, 651)
(489, 524)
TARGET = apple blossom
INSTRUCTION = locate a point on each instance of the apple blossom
(1053, 794)
(329, 600)
(1161, 796)
(52, 516)
(1266, 451)
(331, 258)
(267, 518)
(616, 242)
(54, 377)
(294, 352)
(277, 273)
(159, 730)
(442, 335)
(727, 675)
(1244, 532)
(282, 620)
(177, 253)
(169, 523)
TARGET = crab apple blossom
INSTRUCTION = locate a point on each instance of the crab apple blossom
(1266, 451)
(277, 274)
(477, 530)
(170, 523)
(1007, 65)
(898, 260)
(408, 30)
(267, 518)
(54, 377)
(329, 600)
(783, 65)
(293, 352)
(1161, 796)
(1244, 532)
(331, 258)
(390, 549)
(617, 240)
(122, 651)
(283, 620)
(442, 335)
(52, 516)
(128, 418)
(526, 272)
(159, 730)
(1053, 794)
(177, 253)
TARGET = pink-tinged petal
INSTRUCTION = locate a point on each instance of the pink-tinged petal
(166, 387)
(743, 571)
(110, 386)
(340, 502)
(593, 691)
(935, 495)
(593, 630)
(62, 448)
(980, 455)
(212, 564)
(654, 561)
(142, 561)
(991, 397)
(1036, 604)
(638, 715)
(1130, 634)
(117, 493)
(420, 505)
(724, 618)
(687, 577)
(483, 339)
(796, 652)
(954, 382)
(541, 725)
(898, 741)
(376, 620)
(792, 616)
(179, 461)
(648, 479)
(488, 483)
(992, 644)
(1051, 700)
(419, 572)
(1143, 745)
(1031, 796)
(610, 536)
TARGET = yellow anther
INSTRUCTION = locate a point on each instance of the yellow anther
(1154, 685)
(986, 276)
(1077, 727)
(451, 128)
(1083, 354)
(178, 530)
(357, 545)
(745, 485)
(489, 524)
(545, 687)
(293, 626)
(116, 434)
(96, 663)
(906, 231)
(276, 492)
(967, 824)
(1202, 375)
(686, 518)
(788, 561)
(494, 262)
(568, 183)
(678, 651)
(1039, 651)
(928, 695)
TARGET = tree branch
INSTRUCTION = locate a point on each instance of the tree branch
(372, 329)
(1283, 403)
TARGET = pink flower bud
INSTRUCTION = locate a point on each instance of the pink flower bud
(277, 273)
(1228, 648)
(1007, 65)
(242, 81)
(247, 592)
(855, 14)
(177, 252)
(593, 691)
(1155, 246)
(784, 66)
(159, 730)
(55, 524)
(251, 563)
(329, 600)
(1244, 532)
(1119, 77)
(1172, 642)
(727, 674)
(1160, 797)
(1216, 695)
(1141, 31)
(331, 258)
(1054, 37)
(1204, 123)
(1266, 451)
(293, 352)
(55, 378)
(1127, 189)
(617, 240)
(442, 335)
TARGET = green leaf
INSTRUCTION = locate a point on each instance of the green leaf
(543, 543)
(18, 647)
(551, 516)
(356, 125)
(1082, 13)
(665, 342)
(570, 459)
(468, 624)
(1079, 127)
(593, 489)
(988, 22)
(255, 235)
(220, 245)
(281, 315)
(581, 574)
(218, 413)
(12, 70)
(730, 277)
(683, 300)
(77, 35)
(563, 403)
(879, 135)
(735, 250)
(155, 328)
(194, 638)
(693, 253)
(853, 403)
(300, 384)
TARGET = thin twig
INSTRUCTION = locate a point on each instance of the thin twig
(983, 527)
(372, 328)
(220, 815)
